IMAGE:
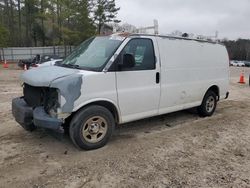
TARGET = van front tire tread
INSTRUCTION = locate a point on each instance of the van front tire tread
(75, 129)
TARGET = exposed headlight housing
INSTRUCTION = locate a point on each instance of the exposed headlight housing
(51, 101)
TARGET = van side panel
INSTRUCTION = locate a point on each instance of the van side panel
(97, 86)
(188, 69)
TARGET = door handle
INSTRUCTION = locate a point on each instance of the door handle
(157, 80)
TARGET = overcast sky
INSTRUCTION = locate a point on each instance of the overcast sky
(230, 17)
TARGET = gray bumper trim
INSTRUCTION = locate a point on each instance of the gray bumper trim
(25, 115)
(21, 111)
(42, 119)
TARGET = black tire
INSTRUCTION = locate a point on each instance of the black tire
(203, 109)
(80, 121)
(29, 127)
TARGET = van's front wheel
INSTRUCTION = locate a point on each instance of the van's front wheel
(92, 127)
(208, 105)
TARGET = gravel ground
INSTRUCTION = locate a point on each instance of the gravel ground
(174, 150)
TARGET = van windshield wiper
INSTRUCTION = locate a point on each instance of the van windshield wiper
(71, 66)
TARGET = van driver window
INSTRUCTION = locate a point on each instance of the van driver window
(143, 52)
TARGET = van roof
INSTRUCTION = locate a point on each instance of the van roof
(176, 37)
(165, 36)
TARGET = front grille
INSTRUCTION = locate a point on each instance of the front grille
(41, 96)
(33, 96)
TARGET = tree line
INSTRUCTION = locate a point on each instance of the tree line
(53, 22)
(239, 49)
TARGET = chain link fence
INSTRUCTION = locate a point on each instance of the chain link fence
(16, 53)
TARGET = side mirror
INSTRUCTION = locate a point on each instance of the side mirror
(128, 61)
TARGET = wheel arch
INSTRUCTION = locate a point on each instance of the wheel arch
(110, 105)
(215, 89)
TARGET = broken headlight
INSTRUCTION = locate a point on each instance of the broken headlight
(51, 102)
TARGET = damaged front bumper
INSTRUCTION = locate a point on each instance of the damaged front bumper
(26, 115)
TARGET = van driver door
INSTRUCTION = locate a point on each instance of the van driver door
(138, 87)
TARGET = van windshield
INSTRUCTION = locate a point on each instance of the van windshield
(93, 53)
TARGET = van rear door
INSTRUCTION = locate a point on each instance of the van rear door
(138, 87)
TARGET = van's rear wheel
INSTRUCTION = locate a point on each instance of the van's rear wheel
(208, 105)
(92, 127)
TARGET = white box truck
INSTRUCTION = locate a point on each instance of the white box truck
(115, 79)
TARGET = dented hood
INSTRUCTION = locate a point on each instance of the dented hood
(44, 76)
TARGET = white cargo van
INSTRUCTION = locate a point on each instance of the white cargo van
(115, 79)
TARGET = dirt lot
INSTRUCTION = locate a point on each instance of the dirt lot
(174, 150)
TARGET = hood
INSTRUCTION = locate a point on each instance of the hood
(44, 76)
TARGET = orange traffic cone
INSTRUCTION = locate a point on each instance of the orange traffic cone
(5, 65)
(25, 67)
(242, 79)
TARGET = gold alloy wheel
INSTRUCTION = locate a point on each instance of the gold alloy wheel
(210, 103)
(94, 129)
